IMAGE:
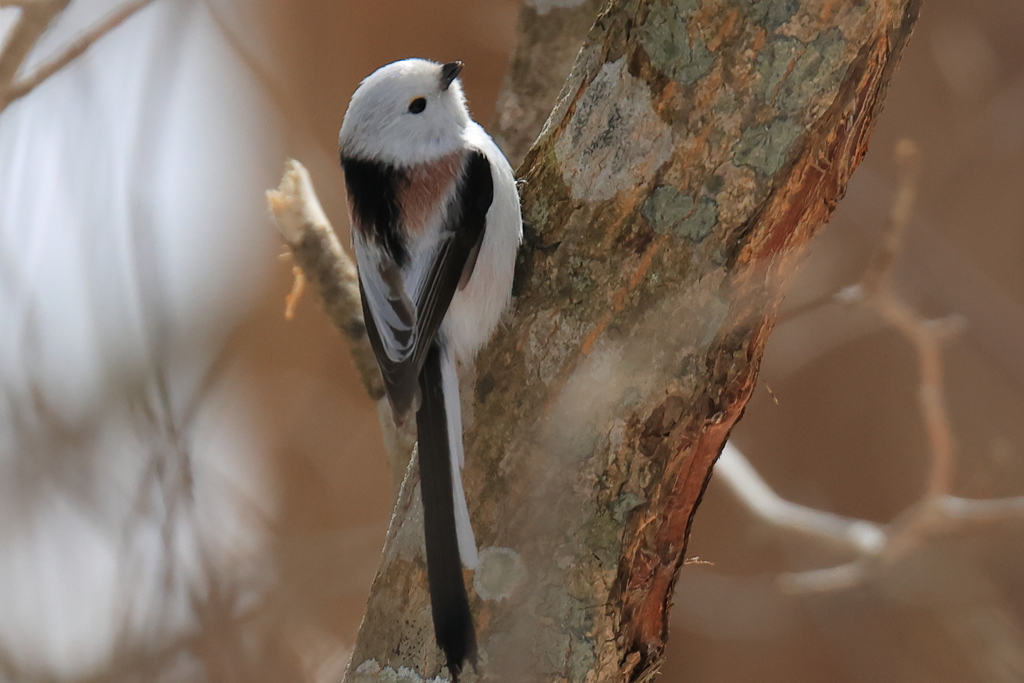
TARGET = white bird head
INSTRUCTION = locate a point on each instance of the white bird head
(406, 113)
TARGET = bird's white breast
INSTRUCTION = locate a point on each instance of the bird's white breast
(476, 309)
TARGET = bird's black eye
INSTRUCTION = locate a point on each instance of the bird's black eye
(417, 105)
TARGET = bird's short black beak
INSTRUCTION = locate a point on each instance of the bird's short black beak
(449, 72)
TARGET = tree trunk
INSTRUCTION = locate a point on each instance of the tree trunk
(695, 150)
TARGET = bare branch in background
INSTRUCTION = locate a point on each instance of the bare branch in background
(736, 472)
(937, 512)
(36, 16)
(34, 20)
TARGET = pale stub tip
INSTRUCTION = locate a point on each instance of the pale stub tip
(294, 203)
(499, 572)
(907, 152)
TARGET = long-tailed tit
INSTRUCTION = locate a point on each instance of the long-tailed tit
(435, 225)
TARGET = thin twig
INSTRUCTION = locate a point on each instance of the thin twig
(14, 89)
(874, 543)
(31, 25)
(926, 336)
(993, 510)
(879, 270)
(736, 472)
(829, 579)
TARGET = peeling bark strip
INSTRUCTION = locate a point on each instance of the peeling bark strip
(696, 149)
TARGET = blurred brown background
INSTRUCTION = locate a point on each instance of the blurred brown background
(845, 435)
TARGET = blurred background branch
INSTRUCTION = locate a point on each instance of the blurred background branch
(36, 16)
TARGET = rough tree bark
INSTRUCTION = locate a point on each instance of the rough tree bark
(696, 148)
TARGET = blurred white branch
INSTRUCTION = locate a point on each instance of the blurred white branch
(736, 472)
(35, 18)
(970, 510)
(874, 543)
(937, 512)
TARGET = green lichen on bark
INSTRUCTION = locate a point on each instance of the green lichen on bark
(666, 207)
(700, 222)
(765, 149)
(666, 37)
(669, 211)
(769, 13)
(794, 73)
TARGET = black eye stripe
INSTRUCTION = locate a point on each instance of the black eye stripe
(417, 105)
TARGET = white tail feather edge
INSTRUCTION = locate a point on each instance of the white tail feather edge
(453, 410)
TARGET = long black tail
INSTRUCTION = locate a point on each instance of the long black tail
(453, 625)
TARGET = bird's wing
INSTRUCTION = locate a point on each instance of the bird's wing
(406, 294)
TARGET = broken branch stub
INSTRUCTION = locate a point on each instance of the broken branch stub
(697, 148)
